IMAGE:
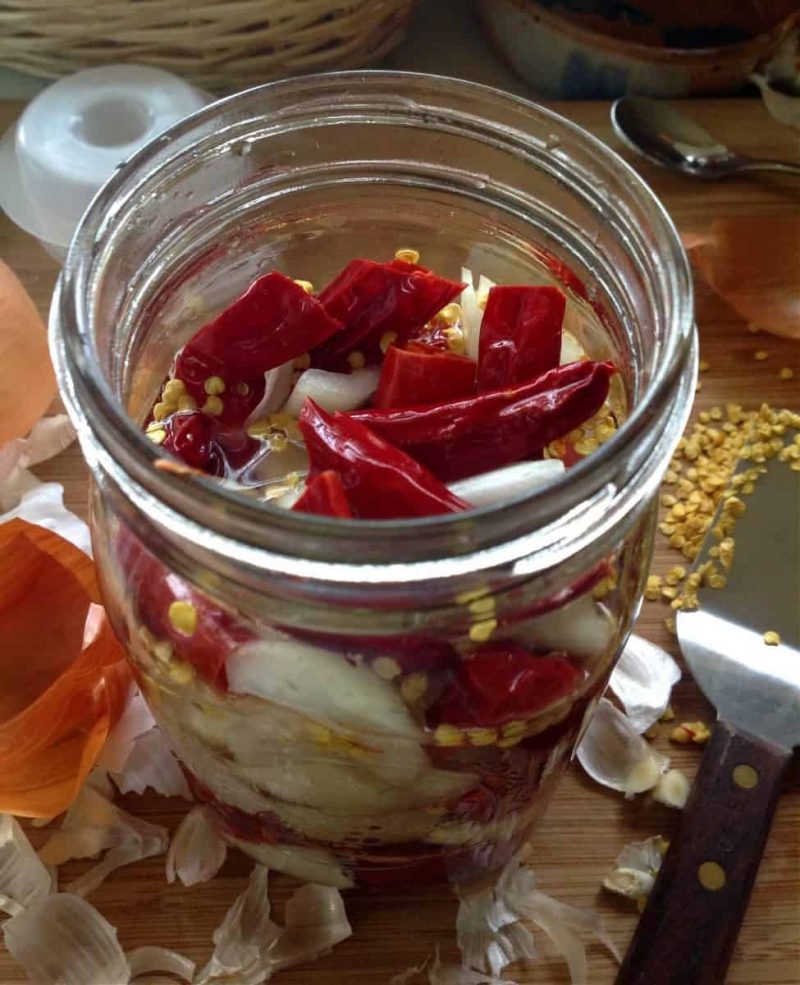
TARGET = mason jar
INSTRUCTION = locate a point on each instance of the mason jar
(306, 670)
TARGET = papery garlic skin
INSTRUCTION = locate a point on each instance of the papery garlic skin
(24, 879)
(614, 754)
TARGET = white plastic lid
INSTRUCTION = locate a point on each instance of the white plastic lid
(75, 134)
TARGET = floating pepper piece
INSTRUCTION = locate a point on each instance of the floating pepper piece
(223, 364)
(423, 375)
(520, 335)
(503, 682)
(477, 434)
(381, 481)
(370, 299)
(326, 496)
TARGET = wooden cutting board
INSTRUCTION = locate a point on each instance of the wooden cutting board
(586, 826)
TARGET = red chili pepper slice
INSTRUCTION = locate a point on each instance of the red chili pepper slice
(325, 495)
(381, 481)
(371, 298)
(503, 682)
(409, 377)
(154, 589)
(520, 335)
(203, 443)
(275, 320)
(477, 434)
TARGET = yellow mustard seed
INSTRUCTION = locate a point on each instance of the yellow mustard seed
(408, 255)
(157, 435)
(480, 632)
(481, 736)
(413, 687)
(161, 410)
(213, 405)
(387, 339)
(451, 312)
(242, 389)
(760, 355)
(183, 616)
(214, 385)
(356, 360)
(173, 390)
(448, 735)
(786, 373)
(187, 402)
(771, 638)
(386, 667)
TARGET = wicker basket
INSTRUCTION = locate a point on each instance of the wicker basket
(219, 45)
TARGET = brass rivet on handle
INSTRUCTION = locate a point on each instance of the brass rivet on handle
(711, 876)
(745, 776)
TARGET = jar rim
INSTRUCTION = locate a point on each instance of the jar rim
(235, 524)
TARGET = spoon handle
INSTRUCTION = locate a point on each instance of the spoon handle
(755, 164)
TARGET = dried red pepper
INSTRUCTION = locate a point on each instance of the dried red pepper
(381, 481)
(274, 321)
(477, 434)
(204, 443)
(197, 630)
(423, 375)
(326, 496)
(370, 299)
(503, 682)
(520, 335)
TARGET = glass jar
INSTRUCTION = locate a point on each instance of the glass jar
(306, 670)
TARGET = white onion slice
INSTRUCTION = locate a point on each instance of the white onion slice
(315, 923)
(24, 879)
(149, 959)
(150, 763)
(614, 754)
(635, 869)
(508, 482)
(277, 386)
(63, 940)
(333, 391)
(196, 852)
(642, 680)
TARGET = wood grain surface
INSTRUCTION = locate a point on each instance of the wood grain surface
(579, 838)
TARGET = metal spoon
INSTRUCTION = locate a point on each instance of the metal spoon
(662, 134)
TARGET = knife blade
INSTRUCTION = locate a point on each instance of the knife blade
(742, 645)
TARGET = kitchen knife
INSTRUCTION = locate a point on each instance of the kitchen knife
(692, 918)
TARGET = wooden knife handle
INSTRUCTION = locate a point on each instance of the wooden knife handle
(692, 918)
